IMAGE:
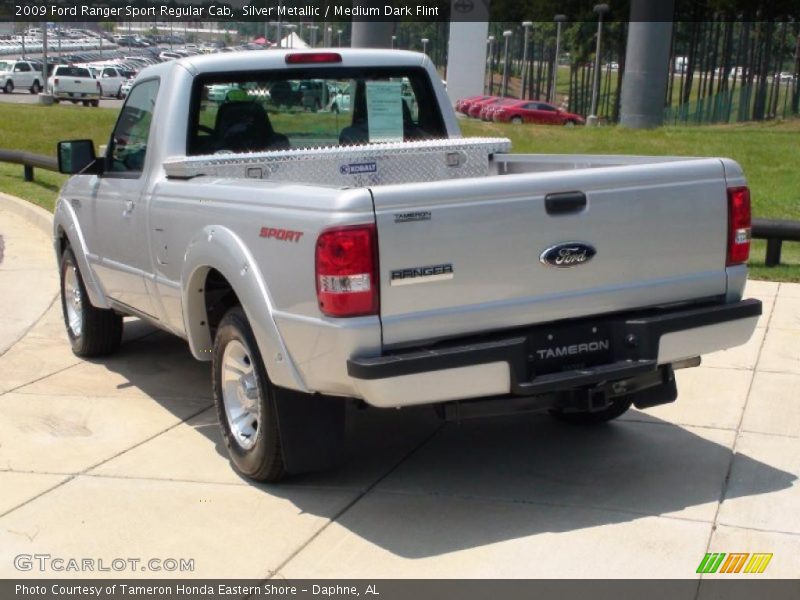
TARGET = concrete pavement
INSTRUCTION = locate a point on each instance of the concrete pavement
(121, 458)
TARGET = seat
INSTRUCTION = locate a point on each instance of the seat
(245, 127)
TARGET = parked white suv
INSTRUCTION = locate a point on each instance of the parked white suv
(19, 74)
(110, 79)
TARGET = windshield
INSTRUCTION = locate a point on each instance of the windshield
(5, 66)
(312, 107)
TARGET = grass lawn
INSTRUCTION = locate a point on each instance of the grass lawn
(768, 152)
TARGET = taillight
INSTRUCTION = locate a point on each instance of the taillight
(739, 221)
(55, 81)
(347, 271)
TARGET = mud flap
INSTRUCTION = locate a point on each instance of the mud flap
(663, 393)
(311, 429)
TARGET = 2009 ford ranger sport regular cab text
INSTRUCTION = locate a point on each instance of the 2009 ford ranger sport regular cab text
(374, 254)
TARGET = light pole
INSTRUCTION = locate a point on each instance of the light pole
(424, 45)
(313, 29)
(339, 37)
(394, 39)
(526, 25)
(559, 19)
(504, 90)
(600, 9)
(290, 27)
(490, 40)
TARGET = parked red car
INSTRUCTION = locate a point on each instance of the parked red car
(488, 110)
(474, 109)
(463, 105)
(534, 111)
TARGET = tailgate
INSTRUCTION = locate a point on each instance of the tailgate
(77, 86)
(460, 257)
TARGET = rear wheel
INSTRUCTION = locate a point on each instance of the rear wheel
(616, 408)
(570, 123)
(36, 88)
(91, 331)
(95, 103)
(9, 87)
(245, 401)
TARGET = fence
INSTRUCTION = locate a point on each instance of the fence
(28, 161)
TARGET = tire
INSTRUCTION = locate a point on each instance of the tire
(245, 401)
(335, 108)
(570, 123)
(95, 103)
(91, 331)
(516, 120)
(617, 408)
(9, 87)
(119, 93)
(36, 88)
(86, 103)
(56, 101)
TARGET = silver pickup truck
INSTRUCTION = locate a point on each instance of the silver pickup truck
(376, 255)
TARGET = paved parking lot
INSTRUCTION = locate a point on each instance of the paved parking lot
(24, 97)
(121, 458)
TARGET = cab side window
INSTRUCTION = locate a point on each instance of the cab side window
(23, 68)
(128, 147)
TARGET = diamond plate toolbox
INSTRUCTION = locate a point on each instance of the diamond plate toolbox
(351, 166)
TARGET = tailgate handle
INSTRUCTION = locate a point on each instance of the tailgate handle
(564, 203)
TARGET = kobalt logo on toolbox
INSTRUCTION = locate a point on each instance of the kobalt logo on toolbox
(356, 168)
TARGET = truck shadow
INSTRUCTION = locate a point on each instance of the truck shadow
(424, 488)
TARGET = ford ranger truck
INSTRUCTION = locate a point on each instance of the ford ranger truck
(316, 257)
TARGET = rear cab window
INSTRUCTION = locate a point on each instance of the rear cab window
(310, 108)
(73, 72)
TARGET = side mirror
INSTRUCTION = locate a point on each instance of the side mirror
(75, 156)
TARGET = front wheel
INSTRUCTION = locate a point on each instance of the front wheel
(245, 401)
(517, 120)
(91, 331)
(9, 87)
(616, 408)
(36, 88)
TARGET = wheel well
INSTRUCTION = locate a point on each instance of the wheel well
(219, 298)
(63, 242)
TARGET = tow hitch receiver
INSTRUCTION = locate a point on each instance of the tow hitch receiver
(651, 389)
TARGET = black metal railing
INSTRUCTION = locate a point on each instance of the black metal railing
(775, 231)
(28, 160)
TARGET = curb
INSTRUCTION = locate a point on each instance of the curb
(35, 215)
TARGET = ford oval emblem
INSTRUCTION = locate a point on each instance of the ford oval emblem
(567, 254)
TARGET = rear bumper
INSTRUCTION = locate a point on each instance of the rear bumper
(77, 95)
(631, 346)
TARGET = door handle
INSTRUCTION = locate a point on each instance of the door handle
(564, 203)
(128, 207)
